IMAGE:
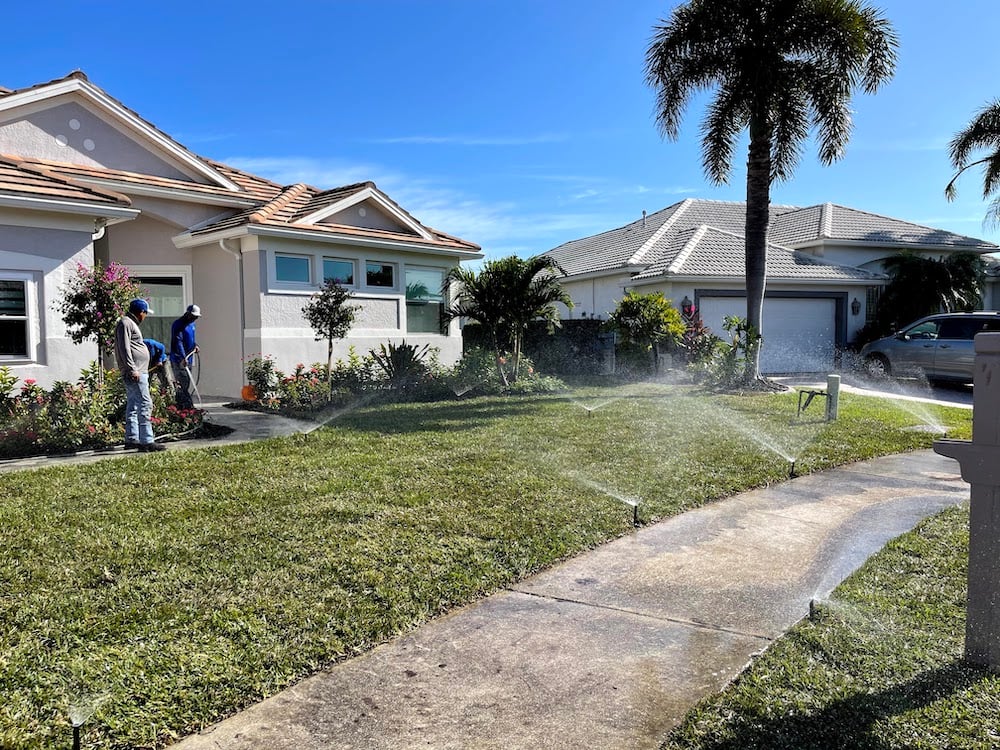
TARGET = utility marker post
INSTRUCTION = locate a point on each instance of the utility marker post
(980, 462)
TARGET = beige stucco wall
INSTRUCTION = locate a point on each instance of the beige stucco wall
(374, 218)
(145, 241)
(46, 256)
(594, 297)
(70, 132)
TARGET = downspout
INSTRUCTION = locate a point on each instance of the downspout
(243, 325)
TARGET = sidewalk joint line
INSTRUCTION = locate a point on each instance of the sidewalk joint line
(677, 620)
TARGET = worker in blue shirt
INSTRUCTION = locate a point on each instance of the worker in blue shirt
(158, 364)
(183, 346)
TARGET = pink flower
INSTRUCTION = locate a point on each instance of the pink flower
(29, 381)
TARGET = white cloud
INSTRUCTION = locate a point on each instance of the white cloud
(470, 140)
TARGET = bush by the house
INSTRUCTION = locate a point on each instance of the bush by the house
(77, 416)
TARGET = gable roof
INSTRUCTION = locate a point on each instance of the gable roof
(654, 246)
(77, 83)
(259, 203)
(296, 208)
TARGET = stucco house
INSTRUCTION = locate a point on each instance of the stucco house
(824, 270)
(84, 178)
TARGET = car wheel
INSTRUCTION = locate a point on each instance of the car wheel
(877, 366)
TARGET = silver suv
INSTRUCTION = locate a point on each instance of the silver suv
(940, 347)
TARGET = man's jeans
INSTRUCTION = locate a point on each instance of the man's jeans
(138, 410)
(182, 375)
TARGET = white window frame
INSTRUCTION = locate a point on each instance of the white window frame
(406, 302)
(183, 272)
(31, 322)
(395, 275)
(281, 284)
(352, 261)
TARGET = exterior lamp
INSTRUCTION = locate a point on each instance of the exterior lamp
(687, 307)
(855, 307)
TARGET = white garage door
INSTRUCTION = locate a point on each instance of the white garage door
(799, 334)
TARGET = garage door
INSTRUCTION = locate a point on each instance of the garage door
(799, 333)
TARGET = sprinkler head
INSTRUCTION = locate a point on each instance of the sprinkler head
(791, 473)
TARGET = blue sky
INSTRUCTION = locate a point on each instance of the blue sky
(518, 125)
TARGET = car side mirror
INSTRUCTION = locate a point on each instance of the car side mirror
(903, 336)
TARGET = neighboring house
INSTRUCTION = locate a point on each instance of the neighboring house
(82, 177)
(824, 270)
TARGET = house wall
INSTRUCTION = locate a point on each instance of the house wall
(863, 257)
(595, 297)
(219, 331)
(71, 133)
(374, 218)
(45, 255)
(145, 241)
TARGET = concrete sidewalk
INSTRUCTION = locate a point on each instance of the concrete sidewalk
(610, 649)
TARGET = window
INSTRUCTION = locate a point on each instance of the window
(292, 268)
(965, 328)
(13, 318)
(424, 300)
(380, 274)
(338, 270)
(166, 297)
(925, 330)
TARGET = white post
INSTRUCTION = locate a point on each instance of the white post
(832, 397)
(980, 462)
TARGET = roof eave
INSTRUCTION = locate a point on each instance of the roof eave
(85, 208)
(187, 239)
(186, 196)
(877, 245)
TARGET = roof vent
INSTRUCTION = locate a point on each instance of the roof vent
(643, 218)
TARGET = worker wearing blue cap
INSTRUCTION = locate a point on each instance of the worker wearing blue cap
(182, 347)
(133, 362)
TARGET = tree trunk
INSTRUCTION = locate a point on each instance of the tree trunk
(329, 365)
(757, 218)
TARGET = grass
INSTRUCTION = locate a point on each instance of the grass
(878, 667)
(171, 590)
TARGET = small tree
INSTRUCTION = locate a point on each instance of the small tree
(93, 300)
(647, 320)
(331, 318)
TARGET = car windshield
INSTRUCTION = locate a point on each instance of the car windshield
(926, 330)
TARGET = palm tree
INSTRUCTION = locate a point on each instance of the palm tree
(982, 133)
(920, 286)
(778, 68)
(504, 297)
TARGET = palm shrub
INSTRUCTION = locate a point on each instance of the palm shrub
(645, 322)
(403, 364)
(505, 297)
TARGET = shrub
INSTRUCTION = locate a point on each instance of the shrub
(403, 365)
(260, 374)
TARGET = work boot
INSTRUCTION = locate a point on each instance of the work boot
(152, 447)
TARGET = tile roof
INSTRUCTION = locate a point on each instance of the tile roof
(17, 178)
(830, 221)
(253, 188)
(708, 252)
(295, 202)
(269, 203)
(651, 246)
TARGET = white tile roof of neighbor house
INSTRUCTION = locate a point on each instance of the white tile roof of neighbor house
(704, 238)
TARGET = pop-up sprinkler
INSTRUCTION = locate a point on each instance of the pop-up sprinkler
(791, 471)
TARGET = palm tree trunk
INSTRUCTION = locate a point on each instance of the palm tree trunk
(758, 205)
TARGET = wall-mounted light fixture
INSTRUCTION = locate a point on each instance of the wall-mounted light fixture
(687, 307)
(856, 307)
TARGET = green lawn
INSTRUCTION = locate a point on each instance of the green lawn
(176, 588)
(879, 666)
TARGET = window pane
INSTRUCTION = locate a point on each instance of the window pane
(340, 271)
(293, 268)
(380, 274)
(12, 298)
(13, 338)
(424, 301)
(166, 298)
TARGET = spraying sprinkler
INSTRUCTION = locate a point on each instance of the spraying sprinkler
(791, 471)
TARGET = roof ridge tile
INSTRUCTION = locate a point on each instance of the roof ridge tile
(277, 203)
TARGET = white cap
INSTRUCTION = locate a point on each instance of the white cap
(194, 310)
